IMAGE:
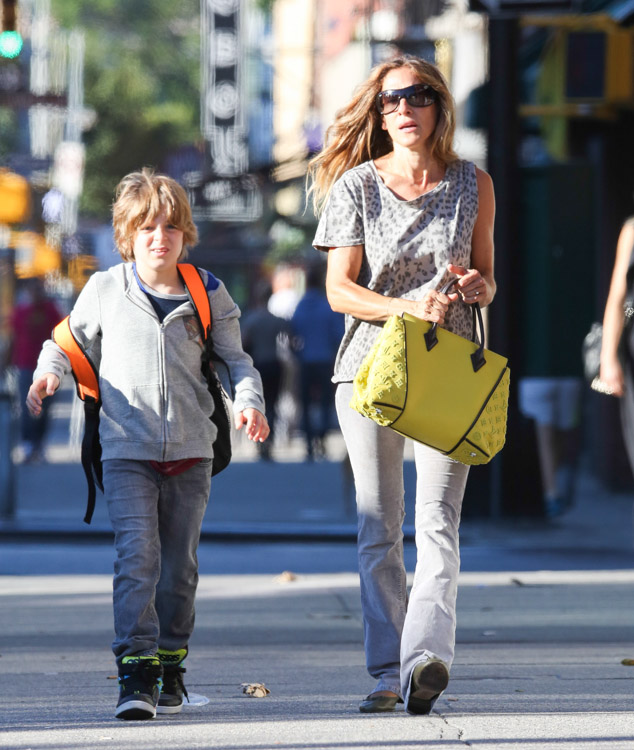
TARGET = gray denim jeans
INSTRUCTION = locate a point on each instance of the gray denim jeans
(156, 521)
(400, 633)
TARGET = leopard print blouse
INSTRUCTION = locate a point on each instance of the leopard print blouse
(407, 245)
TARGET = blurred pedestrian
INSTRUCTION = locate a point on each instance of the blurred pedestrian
(31, 323)
(264, 336)
(139, 328)
(282, 303)
(553, 402)
(401, 215)
(317, 332)
(617, 350)
(284, 295)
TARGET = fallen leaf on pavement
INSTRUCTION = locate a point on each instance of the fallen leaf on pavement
(255, 689)
(285, 577)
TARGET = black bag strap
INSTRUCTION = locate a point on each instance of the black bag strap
(628, 305)
(91, 456)
(478, 359)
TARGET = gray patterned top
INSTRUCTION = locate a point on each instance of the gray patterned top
(407, 244)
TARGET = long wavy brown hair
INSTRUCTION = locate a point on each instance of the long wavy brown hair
(356, 134)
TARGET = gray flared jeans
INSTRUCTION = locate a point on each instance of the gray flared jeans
(399, 632)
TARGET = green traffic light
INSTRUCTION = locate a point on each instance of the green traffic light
(10, 44)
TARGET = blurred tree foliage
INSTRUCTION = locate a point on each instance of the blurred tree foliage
(8, 132)
(142, 78)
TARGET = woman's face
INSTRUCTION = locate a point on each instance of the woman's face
(408, 126)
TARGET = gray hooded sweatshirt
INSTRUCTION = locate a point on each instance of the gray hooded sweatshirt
(155, 402)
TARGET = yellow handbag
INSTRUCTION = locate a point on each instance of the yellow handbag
(437, 388)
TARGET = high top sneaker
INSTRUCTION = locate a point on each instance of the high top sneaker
(173, 691)
(139, 687)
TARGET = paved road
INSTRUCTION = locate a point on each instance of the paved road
(538, 665)
(545, 618)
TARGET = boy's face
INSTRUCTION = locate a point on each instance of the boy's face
(157, 245)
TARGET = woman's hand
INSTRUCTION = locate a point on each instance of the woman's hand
(434, 305)
(257, 427)
(611, 375)
(44, 386)
(471, 285)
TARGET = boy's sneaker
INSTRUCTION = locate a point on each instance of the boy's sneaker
(139, 687)
(173, 692)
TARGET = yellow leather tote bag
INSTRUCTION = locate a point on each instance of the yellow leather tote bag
(436, 387)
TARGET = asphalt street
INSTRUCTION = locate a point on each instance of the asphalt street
(545, 622)
(538, 665)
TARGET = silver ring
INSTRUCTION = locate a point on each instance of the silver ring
(476, 293)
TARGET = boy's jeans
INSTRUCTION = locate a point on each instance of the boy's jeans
(156, 521)
(398, 633)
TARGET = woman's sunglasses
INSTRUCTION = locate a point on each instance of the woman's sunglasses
(418, 95)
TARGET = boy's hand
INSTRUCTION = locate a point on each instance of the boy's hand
(41, 388)
(256, 425)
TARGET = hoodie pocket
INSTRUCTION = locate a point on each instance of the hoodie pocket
(188, 412)
(135, 418)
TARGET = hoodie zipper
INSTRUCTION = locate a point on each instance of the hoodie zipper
(163, 387)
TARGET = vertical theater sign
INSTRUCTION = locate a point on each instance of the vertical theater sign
(226, 192)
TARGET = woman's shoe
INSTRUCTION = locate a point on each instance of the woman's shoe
(376, 703)
(429, 679)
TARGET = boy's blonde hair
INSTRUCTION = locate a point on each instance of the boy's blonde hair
(140, 197)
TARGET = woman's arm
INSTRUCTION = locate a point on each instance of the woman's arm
(346, 296)
(480, 278)
(611, 371)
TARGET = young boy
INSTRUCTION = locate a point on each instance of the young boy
(138, 327)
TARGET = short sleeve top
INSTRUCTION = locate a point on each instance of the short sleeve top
(407, 245)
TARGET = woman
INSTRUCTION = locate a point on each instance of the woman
(401, 216)
(617, 374)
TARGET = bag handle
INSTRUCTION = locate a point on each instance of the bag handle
(477, 358)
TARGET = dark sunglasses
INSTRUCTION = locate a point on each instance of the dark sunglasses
(418, 95)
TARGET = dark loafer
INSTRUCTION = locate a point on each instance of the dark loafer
(375, 704)
(429, 679)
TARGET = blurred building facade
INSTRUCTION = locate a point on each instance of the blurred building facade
(545, 102)
(558, 107)
(41, 96)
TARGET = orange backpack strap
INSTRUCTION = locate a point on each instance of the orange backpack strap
(87, 381)
(199, 298)
(198, 295)
(83, 369)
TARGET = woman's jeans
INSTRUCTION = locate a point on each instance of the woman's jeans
(398, 633)
(156, 521)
